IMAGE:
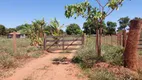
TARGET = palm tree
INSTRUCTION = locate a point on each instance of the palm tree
(35, 31)
(55, 29)
(39, 26)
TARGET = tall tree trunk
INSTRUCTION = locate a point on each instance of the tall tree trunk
(124, 38)
(97, 42)
(130, 53)
(100, 38)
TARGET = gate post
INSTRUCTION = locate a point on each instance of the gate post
(97, 42)
(63, 46)
(83, 38)
(44, 42)
(120, 38)
(111, 40)
(14, 42)
(124, 38)
(130, 53)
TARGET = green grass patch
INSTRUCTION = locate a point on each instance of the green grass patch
(101, 74)
(86, 56)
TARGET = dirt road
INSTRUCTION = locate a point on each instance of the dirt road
(43, 69)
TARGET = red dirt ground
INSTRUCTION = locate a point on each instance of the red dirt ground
(43, 69)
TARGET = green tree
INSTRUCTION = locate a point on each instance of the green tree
(90, 28)
(93, 13)
(20, 27)
(138, 18)
(2, 30)
(123, 22)
(111, 27)
(73, 29)
(55, 27)
(26, 29)
(10, 30)
(34, 31)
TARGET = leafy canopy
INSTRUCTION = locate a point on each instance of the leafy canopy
(91, 27)
(111, 27)
(2, 30)
(73, 29)
(123, 22)
(90, 12)
(54, 28)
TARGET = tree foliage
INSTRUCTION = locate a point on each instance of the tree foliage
(2, 29)
(91, 27)
(34, 31)
(111, 27)
(10, 30)
(73, 29)
(20, 27)
(54, 28)
(123, 22)
(92, 13)
(137, 18)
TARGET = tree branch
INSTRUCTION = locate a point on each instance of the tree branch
(110, 12)
(106, 4)
(99, 3)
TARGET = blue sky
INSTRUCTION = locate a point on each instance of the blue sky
(17, 12)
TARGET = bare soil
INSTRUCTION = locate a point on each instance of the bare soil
(43, 69)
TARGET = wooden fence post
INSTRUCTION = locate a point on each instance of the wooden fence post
(44, 42)
(63, 45)
(83, 38)
(116, 40)
(120, 38)
(97, 42)
(14, 42)
(117, 36)
(111, 40)
(104, 39)
(124, 38)
(130, 53)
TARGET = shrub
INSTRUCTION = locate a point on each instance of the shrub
(6, 61)
(140, 52)
(140, 74)
(86, 55)
(76, 59)
(20, 55)
(113, 54)
(31, 49)
(101, 74)
(36, 54)
(23, 42)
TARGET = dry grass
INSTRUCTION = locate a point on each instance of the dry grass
(9, 59)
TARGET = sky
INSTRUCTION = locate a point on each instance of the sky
(17, 12)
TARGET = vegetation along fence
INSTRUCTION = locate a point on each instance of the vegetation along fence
(64, 42)
(119, 39)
